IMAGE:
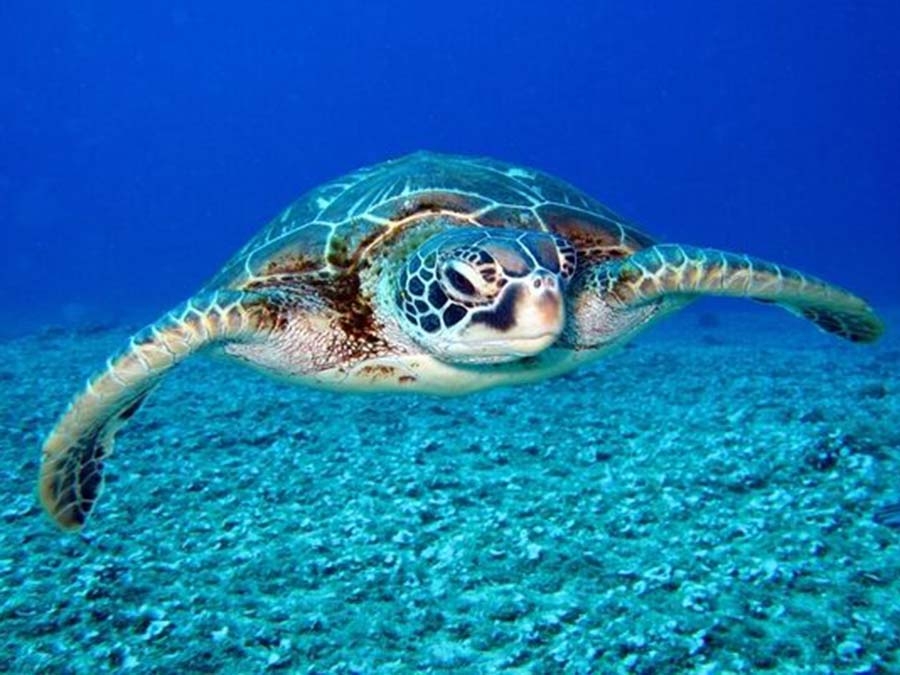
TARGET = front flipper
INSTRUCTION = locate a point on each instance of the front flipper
(71, 475)
(679, 273)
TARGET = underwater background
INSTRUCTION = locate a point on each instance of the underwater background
(143, 146)
(702, 502)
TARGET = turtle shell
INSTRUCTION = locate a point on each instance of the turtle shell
(353, 225)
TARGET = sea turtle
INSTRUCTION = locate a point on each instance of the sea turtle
(429, 273)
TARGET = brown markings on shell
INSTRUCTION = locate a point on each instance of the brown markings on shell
(270, 314)
(338, 254)
(292, 263)
(341, 289)
(432, 202)
(510, 217)
(355, 316)
(402, 215)
(594, 237)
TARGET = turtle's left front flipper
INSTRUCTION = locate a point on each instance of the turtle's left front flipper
(71, 475)
(644, 281)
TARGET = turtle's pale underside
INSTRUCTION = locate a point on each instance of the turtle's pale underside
(430, 273)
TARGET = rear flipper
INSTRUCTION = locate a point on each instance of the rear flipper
(71, 475)
(670, 270)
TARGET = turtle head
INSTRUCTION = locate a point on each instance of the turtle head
(485, 295)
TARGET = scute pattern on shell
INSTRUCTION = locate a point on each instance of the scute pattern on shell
(331, 229)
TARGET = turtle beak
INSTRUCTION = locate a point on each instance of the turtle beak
(528, 318)
(540, 308)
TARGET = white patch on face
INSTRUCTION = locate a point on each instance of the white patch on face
(538, 318)
(322, 203)
(543, 312)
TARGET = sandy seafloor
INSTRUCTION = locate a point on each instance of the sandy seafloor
(701, 502)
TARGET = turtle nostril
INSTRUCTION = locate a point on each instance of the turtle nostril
(544, 280)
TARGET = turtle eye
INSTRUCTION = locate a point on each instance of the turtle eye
(459, 282)
(462, 281)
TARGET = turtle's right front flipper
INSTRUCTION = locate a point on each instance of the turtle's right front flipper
(71, 475)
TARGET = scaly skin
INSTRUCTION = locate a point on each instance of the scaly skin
(71, 475)
(666, 276)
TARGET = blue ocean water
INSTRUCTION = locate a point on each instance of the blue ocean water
(142, 146)
(721, 498)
